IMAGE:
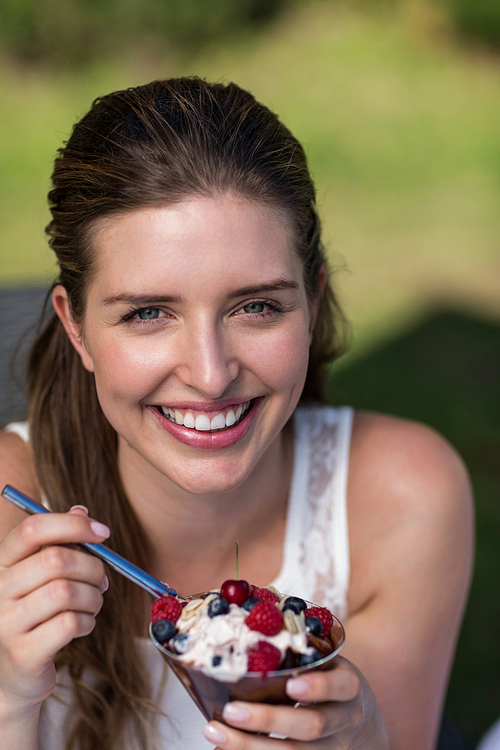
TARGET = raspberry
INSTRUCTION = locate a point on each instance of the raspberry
(266, 618)
(323, 615)
(265, 595)
(166, 608)
(263, 657)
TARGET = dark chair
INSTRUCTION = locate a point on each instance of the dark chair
(20, 309)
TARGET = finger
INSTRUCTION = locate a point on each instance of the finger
(35, 649)
(47, 602)
(231, 739)
(49, 564)
(44, 529)
(341, 683)
(81, 510)
(227, 738)
(299, 723)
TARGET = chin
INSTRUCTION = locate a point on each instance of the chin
(209, 476)
(210, 485)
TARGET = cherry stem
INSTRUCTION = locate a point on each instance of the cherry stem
(237, 552)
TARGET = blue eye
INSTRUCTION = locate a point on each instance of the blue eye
(255, 307)
(148, 313)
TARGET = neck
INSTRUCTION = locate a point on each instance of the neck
(192, 537)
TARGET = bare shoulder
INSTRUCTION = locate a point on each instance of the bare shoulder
(408, 490)
(407, 461)
(17, 469)
(411, 536)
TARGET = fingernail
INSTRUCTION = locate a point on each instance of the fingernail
(80, 507)
(100, 529)
(297, 688)
(235, 713)
(214, 734)
(105, 584)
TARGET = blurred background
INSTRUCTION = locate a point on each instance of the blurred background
(397, 103)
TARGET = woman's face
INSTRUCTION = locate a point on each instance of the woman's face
(197, 328)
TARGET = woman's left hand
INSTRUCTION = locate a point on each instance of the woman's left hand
(337, 711)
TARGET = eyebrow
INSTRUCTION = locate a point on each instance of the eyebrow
(273, 286)
(133, 299)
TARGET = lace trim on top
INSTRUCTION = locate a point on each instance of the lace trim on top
(316, 562)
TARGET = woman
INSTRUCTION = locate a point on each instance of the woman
(169, 395)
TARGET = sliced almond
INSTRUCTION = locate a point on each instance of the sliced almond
(189, 614)
(275, 591)
(294, 623)
(192, 606)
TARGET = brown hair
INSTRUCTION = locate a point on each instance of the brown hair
(147, 146)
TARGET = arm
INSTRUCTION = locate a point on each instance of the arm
(411, 548)
(49, 595)
(412, 541)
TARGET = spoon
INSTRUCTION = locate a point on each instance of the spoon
(113, 559)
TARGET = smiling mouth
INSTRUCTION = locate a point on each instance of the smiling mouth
(202, 422)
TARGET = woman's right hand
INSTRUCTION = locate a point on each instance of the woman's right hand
(50, 593)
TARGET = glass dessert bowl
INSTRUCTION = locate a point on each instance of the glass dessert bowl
(215, 647)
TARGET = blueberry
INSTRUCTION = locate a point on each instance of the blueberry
(180, 643)
(250, 603)
(314, 626)
(216, 660)
(295, 604)
(218, 606)
(310, 657)
(163, 630)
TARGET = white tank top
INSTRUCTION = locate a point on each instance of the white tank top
(315, 565)
(491, 740)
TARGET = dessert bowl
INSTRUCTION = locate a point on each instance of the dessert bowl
(211, 694)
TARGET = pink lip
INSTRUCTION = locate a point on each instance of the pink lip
(207, 407)
(209, 440)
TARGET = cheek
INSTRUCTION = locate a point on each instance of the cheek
(122, 371)
(282, 363)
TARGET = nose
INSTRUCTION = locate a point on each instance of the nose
(206, 361)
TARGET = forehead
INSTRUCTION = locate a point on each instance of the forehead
(202, 237)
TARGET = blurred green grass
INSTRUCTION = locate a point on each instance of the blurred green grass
(401, 126)
(444, 370)
(401, 123)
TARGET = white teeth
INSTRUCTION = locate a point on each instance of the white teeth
(202, 422)
(218, 422)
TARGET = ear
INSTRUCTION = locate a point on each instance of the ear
(323, 278)
(62, 308)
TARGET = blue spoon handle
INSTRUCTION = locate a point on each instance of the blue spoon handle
(113, 559)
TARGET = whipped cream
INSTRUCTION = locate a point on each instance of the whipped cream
(228, 637)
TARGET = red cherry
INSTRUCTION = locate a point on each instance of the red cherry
(235, 592)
